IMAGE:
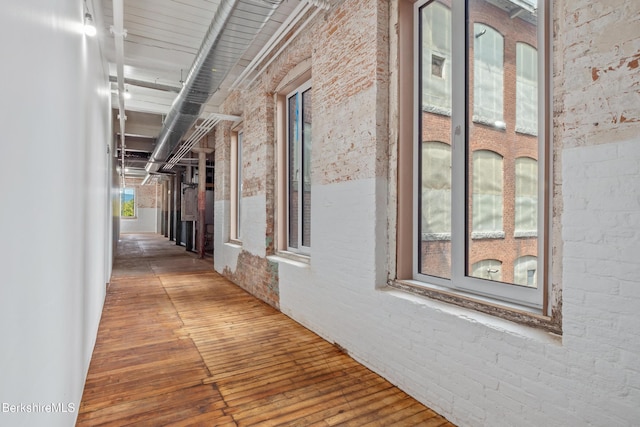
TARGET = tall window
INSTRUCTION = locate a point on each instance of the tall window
(238, 200)
(486, 205)
(465, 191)
(128, 203)
(236, 172)
(488, 74)
(526, 89)
(299, 139)
(526, 220)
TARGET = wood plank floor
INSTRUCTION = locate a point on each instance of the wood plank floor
(180, 345)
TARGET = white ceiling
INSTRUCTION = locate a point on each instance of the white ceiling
(163, 37)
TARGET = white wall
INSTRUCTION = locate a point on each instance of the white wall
(145, 221)
(56, 208)
(148, 199)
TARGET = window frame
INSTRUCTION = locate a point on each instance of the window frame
(135, 207)
(236, 170)
(297, 92)
(535, 301)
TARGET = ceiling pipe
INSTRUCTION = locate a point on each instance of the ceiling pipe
(291, 22)
(232, 30)
(284, 46)
(145, 84)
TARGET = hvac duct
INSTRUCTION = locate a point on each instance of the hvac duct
(234, 26)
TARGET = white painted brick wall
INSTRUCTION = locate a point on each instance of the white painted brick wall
(475, 369)
(224, 254)
(253, 223)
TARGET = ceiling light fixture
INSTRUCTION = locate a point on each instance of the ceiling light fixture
(89, 29)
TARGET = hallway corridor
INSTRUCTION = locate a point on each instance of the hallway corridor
(179, 344)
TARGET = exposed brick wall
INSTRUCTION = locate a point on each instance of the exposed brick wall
(598, 63)
(222, 159)
(258, 276)
(145, 195)
(351, 93)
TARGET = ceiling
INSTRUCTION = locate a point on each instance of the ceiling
(161, 43)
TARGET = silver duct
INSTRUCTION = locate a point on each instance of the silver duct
(234, 26)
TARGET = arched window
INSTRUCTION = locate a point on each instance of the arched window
(490, 269)
(525, 271)
(487, 195)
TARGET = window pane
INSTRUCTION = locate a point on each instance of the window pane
(434, 149)
(487, 193)
(307, 116)
(436, 58)
(501, 159)
(436, 191)
(294, 171)
(128, 203)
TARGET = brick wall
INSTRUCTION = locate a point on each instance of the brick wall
(474, 368)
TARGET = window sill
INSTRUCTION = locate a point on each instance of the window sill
(291, 258)
(478, 235)
(523, 233)
(500, 309)
(526, 131)
(498, 124)
(435, 109)
(234, 244)
(128, 217)
(436, 237)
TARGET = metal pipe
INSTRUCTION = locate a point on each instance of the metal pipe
(291, 21)
(232, 30)
(284, 46)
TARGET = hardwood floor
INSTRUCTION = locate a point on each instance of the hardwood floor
(180, 345)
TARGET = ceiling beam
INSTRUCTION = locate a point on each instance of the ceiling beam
(146, 84)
